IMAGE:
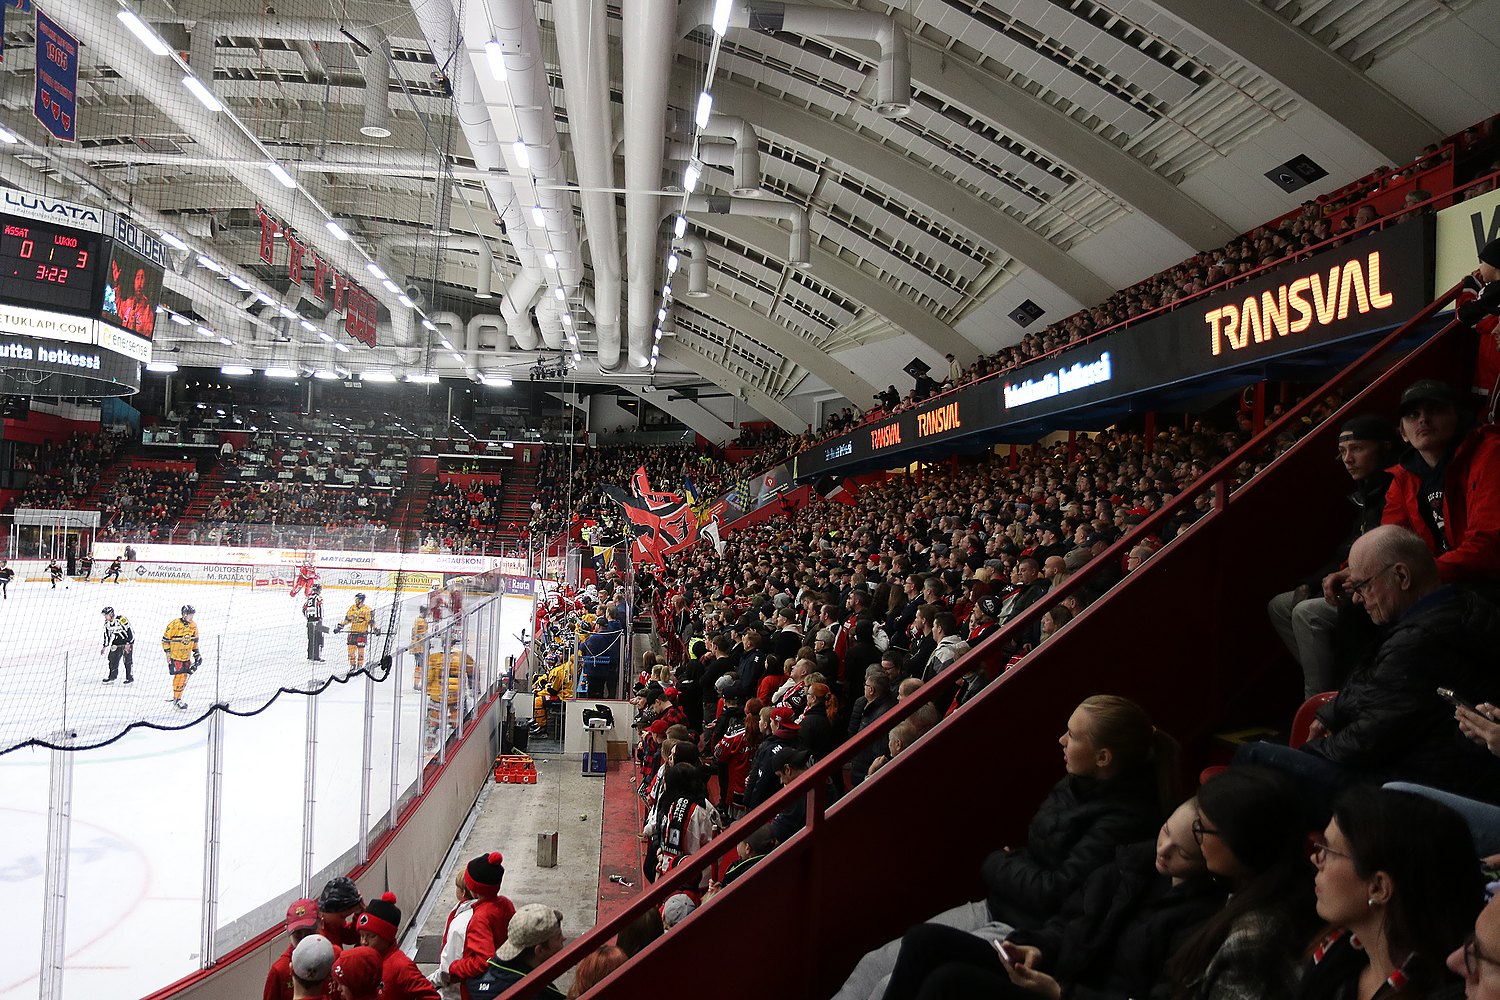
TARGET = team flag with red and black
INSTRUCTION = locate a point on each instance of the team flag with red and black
(660, 523)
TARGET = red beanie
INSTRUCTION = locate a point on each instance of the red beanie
(484, 874)
(360, 970)
(381, 917)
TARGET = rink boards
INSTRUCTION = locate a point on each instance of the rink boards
(220, 575)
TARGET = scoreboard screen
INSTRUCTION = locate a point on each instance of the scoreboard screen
(48, 267)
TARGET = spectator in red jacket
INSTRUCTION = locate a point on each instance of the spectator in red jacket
(301, 923)
(492, 913)
(400, 979)
(1447, 484)
(357, 974)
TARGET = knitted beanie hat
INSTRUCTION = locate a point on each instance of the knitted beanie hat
(483, 875)
(381, 916)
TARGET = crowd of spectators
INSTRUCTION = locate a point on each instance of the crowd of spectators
(806, 629)
(65, 474)
(1317, 221)
(563, 478)
(461, 517)
(142, 499)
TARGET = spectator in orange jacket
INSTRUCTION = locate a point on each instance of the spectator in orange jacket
(487, 925)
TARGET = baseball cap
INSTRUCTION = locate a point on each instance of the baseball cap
(302, 914)
(1428, 390)
(782, 717)
(989, 606)
(533, 924)
(359, 969)
(312, 959)
(1367, 427)
(790, 756)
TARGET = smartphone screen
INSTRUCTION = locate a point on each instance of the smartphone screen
(1005, 954)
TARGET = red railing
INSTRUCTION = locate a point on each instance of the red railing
(904, 844)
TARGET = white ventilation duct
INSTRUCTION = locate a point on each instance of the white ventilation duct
(798, 254)
(474, 332)
(741, 155)
(583, 53)
(648, 38)
(697, 269)
(525, 124)
(159, 80)
(437, 22)
(892, 82)
(371, 49)
(386, 249)
(549, 320)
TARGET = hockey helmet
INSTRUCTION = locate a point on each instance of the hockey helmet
(107, 611)
(188, 609)
(359, 597)
(317, 587)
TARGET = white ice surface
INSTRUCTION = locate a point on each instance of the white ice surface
(135, 879)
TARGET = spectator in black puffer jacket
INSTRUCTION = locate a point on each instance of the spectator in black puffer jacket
(1111, 940)
(1120, 783)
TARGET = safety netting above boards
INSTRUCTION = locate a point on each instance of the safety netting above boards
(128, 635)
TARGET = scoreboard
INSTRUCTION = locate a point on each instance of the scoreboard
(48, 266)
(78, 292)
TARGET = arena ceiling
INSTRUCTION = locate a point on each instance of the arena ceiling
(1049, 150)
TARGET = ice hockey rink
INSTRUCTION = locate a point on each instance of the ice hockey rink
(136, 860)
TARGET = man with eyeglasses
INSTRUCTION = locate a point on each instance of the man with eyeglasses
(1478, 959)
(1388, 722)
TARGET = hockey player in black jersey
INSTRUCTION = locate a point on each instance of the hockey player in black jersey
(119, 644)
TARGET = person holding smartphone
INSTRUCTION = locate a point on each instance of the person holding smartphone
(1480, 724)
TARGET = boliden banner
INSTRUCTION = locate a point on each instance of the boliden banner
(1371, 283)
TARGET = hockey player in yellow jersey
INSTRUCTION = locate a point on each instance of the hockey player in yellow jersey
(180, 643)
(360, 621)
(556, 683)
(418, 633)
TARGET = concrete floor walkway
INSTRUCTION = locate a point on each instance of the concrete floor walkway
(509, 819)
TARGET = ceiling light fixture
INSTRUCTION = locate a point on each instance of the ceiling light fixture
(428, 324)
(325, 337)
(522, 156)
(377, 375)
(226, 341)
(161, 366)
(551, 259)
(406, 301)
(567, 319)
(200, 90)
(235, 370)
(680, 227)
(279, 172)
(705, 108)
(425, 378)
(337, 231)
(181, 320)
(671, 263)
(391, 286)
(140, 29)
(210, 263)
(538, 216)
(8, 138)
(690, 176)
(374, 269)
(238, 282)
(561, 295)
(458, 357)
(447, 346)
(204, 331)
(494, 56)
(289, 313)
(172, 241)
(721, 16)
(342, 347)
(279, 371)
(309, 327)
